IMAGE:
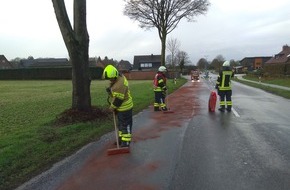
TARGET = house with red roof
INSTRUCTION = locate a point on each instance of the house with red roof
(4, 63)
(279, 64)
(281, 57)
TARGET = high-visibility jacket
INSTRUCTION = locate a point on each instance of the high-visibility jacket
(224, 79)
(159, 82)
(121, 99)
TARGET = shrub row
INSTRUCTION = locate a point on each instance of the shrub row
(45, 73)
(277, 69)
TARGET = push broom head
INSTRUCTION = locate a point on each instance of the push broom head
(121, 150)
(168, 111)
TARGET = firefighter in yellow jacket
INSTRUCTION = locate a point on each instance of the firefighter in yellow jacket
(121, 103)
(223, 85)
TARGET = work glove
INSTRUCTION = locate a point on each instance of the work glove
(164, 89)
(113, 109)
(108, 90)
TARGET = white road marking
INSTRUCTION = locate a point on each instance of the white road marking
(235, 113)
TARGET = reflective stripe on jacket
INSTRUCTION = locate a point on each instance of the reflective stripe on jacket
(224, 80)
(159, 82)
(121, 97)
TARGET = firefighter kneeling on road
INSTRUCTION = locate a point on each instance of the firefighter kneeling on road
(121, 103)
(223, 85)
(160, 89)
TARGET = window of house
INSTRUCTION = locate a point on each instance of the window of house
(146, 65)
(278, 56)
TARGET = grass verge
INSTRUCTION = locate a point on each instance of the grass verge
(29, 143)
(270, 80)
(276, 91)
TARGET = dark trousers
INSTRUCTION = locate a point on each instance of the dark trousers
(225, 98)
(125, 122)
(159, 100)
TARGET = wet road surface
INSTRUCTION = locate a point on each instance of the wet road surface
(190, 148)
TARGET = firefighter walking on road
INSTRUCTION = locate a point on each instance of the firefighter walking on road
(121, 103)
(223, 85)
(160, 89)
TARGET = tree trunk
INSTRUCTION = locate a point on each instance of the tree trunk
(81, 98)
(80, 59)
(77, 44)
(163, 47)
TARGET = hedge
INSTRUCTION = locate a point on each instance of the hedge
(277, 69)
(45, 73)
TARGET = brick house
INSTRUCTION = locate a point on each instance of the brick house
(50, 62)
(279, 63)
(4, 63)
(147, 62)
(44, 63)
(124, 66)
(282, 57)
(103, 63)
(253, 63)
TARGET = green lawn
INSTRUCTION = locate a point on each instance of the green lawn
(269, 80)
(28, 142)
(277, 81)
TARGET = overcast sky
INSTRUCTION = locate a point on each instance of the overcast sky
(232, 28)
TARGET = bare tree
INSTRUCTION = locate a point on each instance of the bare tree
(234, 63)
(173, 46)
(76, 39)
(202, 64)
(182, 59)
(164, 15)
(217, 62)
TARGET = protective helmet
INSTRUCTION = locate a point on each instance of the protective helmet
(226, 64)
(110, 72)
(162, 69)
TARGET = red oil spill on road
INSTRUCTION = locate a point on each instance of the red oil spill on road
(184, 103)
(110, 173)
(118, 171)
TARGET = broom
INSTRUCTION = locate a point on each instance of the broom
(167, 104)
(118, 150)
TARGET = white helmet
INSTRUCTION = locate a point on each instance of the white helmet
(226, 64)
(162, 69)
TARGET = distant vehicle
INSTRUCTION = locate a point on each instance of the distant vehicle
(206, 74)
(194, 75)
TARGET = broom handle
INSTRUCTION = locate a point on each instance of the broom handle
(167, 102)
(116, 130)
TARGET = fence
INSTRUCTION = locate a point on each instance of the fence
(66, 74)
(45, 73)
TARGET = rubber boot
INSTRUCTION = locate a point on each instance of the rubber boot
(222, 109)
(164, 108)
(125, 144)
(156, 109)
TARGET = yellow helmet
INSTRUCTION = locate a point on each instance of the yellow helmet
(110, 72)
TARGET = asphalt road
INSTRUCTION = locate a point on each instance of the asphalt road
(189, 149)
(242, 150)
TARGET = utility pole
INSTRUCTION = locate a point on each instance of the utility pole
(205, 66)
